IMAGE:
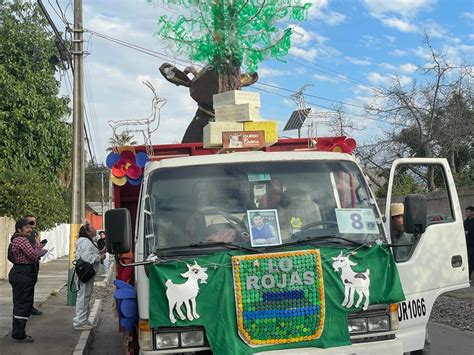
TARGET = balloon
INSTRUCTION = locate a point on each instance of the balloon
(111, 159)
(141, 159)
(119, 181)
(134, 171)
(122, 293)
(135, 181)
(129, 307)
(122, 284)
(128, 156)
(118, 172)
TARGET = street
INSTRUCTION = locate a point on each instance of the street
(449, 340)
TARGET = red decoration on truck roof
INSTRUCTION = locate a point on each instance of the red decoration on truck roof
(340, 144)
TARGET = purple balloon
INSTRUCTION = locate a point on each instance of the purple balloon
(111, 159)
(141, 159)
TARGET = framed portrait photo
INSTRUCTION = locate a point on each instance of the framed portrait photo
(264, 228)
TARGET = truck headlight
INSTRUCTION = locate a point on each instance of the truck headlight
(378, 324)
(357, 325)
(167, 340)
(192, 338)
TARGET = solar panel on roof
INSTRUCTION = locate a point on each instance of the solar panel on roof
(297, 119)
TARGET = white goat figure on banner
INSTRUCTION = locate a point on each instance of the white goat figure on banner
(353, 281)
(186, 293)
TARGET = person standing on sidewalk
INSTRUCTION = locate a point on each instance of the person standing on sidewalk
(32, 238)
(22, 278)
(106, 262)
(87, 250)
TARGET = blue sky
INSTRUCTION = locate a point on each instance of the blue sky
(344, 50)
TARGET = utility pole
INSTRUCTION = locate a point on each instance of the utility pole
(78, 185)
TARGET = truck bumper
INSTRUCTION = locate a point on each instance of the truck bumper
(386, 347)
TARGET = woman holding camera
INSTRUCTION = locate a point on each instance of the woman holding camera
(22, 277)
(88, 251)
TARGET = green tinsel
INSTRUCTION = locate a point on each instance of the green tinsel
(243, 32)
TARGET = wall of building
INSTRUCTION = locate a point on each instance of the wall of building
(7, 227)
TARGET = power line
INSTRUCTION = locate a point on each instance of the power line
(339, 74)
(309, 95)
(332, 109)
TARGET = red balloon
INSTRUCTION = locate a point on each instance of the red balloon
(118, 171)
(128, 156)
(134, 171)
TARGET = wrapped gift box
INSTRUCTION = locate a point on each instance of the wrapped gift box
(236, 97)
(269, 127)
(236, 113)
(213, 132)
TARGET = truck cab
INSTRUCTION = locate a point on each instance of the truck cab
(195, 206)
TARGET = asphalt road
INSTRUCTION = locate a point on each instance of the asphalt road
(447, 340)
(107, 340)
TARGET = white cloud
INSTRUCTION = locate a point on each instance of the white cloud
(387, 80)
(408, 68)
(398, 23)
(303, 53)
(320, 12)
(407, 8)
(399, 53)
(391, 39)
(358, 61)
(434, 30)
(266, 72)
(387, 66)
(326, 78)
(468, 15)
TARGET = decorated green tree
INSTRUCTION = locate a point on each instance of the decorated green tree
(231, 34)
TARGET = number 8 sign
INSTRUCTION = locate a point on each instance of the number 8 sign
(356, 221)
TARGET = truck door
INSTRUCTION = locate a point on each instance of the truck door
(437, 261)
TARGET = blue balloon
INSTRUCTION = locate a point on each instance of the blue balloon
(129, 308)
(141, 159)
(122, 284)
(111, 159)
(135, 181)
(128, 323)
(123, 293)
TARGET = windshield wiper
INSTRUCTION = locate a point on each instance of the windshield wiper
(325, 237)
(227, 245)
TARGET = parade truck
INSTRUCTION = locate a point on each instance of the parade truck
(282, 249)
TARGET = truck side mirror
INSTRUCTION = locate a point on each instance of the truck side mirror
(118, 228)
(415, 214)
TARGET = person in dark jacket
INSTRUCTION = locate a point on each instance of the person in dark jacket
(32, 239)
(22, 278)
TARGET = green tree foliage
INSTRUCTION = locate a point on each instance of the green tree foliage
(121, 140)
(35, 141)
(231, 32)
(25, 191)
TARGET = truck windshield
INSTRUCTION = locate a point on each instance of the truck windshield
(258, 205)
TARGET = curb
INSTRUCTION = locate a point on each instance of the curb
(82, 346)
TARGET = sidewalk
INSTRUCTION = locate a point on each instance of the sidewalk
(53, 331)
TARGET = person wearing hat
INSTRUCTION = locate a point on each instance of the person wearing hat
(22, 278)
(398, 232)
